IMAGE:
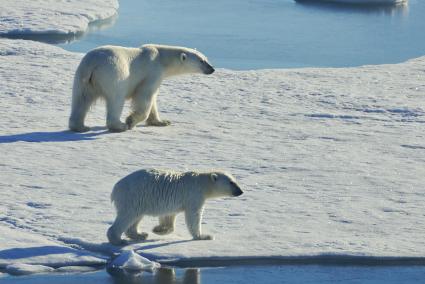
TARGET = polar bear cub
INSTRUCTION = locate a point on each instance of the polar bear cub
(117, 73)
(165, 194)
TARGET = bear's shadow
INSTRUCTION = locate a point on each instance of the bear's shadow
(153, 243)
(54, 136)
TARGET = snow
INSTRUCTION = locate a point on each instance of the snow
(23, 252)
(24, 269)
(330, 160)
(21, 17)
(130, 260)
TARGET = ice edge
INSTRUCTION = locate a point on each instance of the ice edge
(322, 259)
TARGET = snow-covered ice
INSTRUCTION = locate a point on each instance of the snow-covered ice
(331, 160)
(23, 269)
(129, 260)
(23, 252)
(52, 16)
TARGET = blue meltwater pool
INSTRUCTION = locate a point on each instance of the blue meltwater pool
(241, 274)
(258, 34)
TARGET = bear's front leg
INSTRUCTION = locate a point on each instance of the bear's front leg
(153, 119)
(135, 118)
(193, 222)
(142, 101)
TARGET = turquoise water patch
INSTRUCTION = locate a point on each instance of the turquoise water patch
(260, 34)
(240, 274)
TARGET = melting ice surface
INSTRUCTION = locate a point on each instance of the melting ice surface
(259, 34)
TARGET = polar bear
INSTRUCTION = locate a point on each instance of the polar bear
(118, 73)
(165, 194)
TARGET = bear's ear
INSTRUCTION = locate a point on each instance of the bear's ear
(213, 177)
(183, 57)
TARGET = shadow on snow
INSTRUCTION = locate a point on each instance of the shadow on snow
(112, 250)
(54, 136)
(17, 253)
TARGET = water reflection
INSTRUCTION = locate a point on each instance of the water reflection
(399, 9)
(162, 275)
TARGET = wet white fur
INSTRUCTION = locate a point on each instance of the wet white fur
(117, 73)
(164, 194)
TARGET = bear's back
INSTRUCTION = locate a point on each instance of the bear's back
(155, 192)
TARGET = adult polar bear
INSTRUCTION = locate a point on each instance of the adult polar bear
(118, 73)
(165, 194)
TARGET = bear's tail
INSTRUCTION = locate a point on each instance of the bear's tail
(83, 94)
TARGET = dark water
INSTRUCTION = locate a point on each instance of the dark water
(243, 275)
(254, 34)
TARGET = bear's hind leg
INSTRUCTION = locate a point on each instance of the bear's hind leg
(120, 225)
(114, 107)
(114, 237)
(80, 106)
(133, 232)
(166, 225)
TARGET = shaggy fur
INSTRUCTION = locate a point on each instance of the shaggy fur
(165, 194)
(118, 73)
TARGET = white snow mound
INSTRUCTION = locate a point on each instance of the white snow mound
(130, 260)
(52, 16)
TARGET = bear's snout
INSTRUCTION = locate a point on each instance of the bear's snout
(237, 191)
(209, 69)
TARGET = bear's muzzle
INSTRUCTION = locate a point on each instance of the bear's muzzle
(208, 69)
(237, 191)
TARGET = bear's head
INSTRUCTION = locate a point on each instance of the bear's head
(178, 60)
(192, 61)
(223, 185)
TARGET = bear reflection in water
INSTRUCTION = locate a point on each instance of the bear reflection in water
(160, 276)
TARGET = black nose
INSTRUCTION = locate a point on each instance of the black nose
(209, 70)
(238, 192)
